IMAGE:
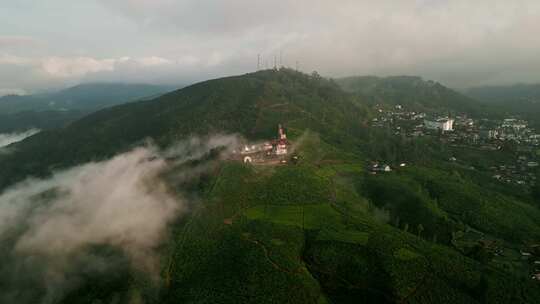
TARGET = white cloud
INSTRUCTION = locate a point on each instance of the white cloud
(75, 67)
(118, 202)
(153, 61)
(81, 66)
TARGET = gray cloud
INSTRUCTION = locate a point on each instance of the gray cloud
(459, 43)
(48, 227)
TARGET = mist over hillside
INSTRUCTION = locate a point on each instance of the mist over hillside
(98, 220)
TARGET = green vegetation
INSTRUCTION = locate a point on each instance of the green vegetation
(328, 252)
(405, 254)
(344, 236)
(320, 230)
(251, 105)
(307, 217)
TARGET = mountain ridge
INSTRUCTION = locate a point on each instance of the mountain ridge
(252, 105)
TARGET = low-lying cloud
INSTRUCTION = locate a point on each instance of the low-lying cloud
(10, 138)
(49, 228)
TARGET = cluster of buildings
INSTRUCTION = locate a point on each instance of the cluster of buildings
(270, 152)
(411, 123)
(525, 142)
(461, 131)
(511, 129)
(458, 128)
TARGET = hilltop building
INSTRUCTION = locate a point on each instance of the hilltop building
(282, 143)
(269, 152)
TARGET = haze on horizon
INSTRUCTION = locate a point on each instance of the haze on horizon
(57, 43)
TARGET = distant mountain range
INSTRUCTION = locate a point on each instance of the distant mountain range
(51, 110)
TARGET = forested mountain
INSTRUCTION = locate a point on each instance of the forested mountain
(321, 229)
(252, 105)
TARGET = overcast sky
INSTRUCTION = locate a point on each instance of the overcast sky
(55, 43)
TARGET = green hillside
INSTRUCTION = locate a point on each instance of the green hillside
(251, 105)
(323, 229)
(310, 233)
